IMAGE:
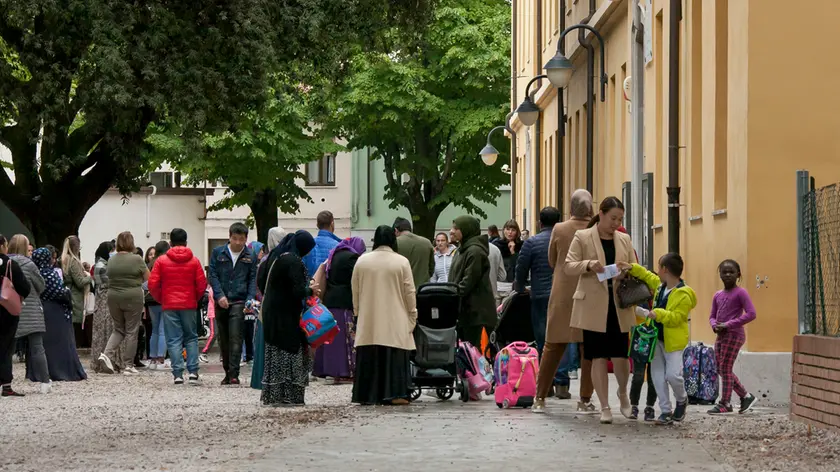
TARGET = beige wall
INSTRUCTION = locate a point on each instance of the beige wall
(754, 107)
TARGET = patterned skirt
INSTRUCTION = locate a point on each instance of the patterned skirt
(286, 376)
(103, 326)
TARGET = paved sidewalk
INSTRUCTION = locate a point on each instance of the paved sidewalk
(431, 435)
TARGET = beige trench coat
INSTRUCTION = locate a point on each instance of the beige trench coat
(591, 296)
(558, 329)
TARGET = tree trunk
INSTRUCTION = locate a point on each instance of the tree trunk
(264, 209)
(424, 223)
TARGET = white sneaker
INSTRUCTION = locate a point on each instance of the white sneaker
(203, 358)
(130, 370)
(46, 387)
(152, 365)
(107, 365)
(573, 374)
(194, 380)
(167, 364)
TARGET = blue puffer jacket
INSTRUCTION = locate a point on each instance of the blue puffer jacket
(236, 282)
(533, 260)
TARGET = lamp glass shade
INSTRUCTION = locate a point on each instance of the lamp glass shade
(489, 154)
(559, 70)
(528, 112)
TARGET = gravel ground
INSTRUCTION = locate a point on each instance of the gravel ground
(765, 440)
(111, 423)
(115, 422)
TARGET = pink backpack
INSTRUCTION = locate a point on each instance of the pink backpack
(515, 372)
(473, 370)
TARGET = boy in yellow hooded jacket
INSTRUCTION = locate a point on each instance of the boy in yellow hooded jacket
(672, 303)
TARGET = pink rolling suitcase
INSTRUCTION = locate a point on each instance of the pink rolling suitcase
(515, 371)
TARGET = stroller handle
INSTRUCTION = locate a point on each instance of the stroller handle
(439, 285)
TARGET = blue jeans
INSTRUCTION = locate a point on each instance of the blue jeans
(181, 332)
(157, 338)
(539, 318)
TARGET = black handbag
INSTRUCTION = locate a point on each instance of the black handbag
(631, 292)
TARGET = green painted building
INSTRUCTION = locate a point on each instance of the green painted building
(369, 208)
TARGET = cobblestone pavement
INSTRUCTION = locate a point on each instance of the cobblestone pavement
(115, 423)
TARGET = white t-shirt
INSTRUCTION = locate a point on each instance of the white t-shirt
(234, 255)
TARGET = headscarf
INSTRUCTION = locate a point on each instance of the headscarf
(54, 289)
(275, 235)
(298, 243)
(469, 226)
(255, 247)
(354, 245)
(385, 236)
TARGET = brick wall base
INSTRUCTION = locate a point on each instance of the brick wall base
(815, 390)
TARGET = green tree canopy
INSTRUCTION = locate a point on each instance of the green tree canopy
(81, 81)
(427, 105)
(259, 160)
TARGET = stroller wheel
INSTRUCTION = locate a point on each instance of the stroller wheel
(415, 394)
(445, 393)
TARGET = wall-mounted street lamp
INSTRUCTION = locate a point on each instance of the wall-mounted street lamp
(528, 111)
(489, 154)
(558, 71)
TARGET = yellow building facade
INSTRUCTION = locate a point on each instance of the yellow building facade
(757, 102)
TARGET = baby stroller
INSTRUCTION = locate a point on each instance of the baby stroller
(514, 324)
(433, 363)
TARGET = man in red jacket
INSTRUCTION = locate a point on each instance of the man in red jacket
(177, 282)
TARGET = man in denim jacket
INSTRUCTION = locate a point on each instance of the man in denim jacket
(233, 277)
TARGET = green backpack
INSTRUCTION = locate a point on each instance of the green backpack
(643, 340)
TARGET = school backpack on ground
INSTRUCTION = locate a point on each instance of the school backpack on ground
(472, 370)
(700, 373)
(515, 371)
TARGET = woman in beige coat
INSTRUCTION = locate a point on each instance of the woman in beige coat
(559, 336)
(384, 301)
(605, 326)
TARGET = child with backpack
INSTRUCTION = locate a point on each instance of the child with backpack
(672, 302)
(732, 308)
(641, 367)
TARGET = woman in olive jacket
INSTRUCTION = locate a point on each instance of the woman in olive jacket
(471, 271)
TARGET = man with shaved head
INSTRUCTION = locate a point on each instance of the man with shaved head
(558, 333)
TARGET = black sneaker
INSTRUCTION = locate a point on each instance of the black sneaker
(226, 380)
(650, 414)
(664, 419)
(8, 392)
(679, 411)
(720, 409)
(747, 403)
(179, 380)
(634, 415)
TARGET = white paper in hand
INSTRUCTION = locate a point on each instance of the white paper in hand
(610, 272)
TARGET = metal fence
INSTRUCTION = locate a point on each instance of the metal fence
(818, 215)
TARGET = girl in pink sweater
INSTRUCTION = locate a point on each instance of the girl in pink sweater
(732, 308)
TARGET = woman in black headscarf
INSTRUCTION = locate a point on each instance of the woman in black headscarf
(285, 286)
(384, 299)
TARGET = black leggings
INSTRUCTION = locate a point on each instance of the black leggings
(639, 369)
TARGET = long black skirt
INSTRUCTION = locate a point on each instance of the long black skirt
(60, 346)
(383, 374)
